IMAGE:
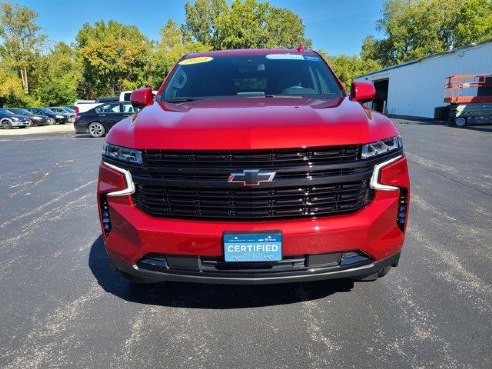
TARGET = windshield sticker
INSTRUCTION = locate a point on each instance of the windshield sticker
(201, 59)
(285, 56)
(312, 58)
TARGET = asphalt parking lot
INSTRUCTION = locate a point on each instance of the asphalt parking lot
(62, 306)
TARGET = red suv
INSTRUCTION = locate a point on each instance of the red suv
(253, 166)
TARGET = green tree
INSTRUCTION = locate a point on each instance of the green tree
(418, 28)
(201, 18)
(284, 29)
(175, 42)
(474, 22)
(22, 41)
(10, 86)
(59, 75)
(348, 67)
(244, 24)
(112, 58)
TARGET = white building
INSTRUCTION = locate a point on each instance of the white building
(416, 88)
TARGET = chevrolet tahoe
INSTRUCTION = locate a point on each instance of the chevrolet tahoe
(253, 167)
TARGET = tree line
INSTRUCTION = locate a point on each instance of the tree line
(108, 57)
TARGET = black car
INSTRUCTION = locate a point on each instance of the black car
(64, 111)
(9, 119)
(36, 119)
(99, 120)
(59, 118)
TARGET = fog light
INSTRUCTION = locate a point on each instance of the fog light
(353, 257)
(401, 217)
(106, 220)
(153, 263)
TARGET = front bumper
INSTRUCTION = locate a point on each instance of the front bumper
(62, 120)
(20, 124)
(361, 272)
(40, 122)
(372, 231)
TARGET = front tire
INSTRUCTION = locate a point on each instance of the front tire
(6, 124)
(460, 122)
(96, 130)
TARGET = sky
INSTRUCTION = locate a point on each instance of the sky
(337, 27)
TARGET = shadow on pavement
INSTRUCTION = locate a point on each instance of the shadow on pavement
(479, 128)
(206, 296)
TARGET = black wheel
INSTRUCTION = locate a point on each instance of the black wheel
(460, 122)
(6, 124)
(96, 129)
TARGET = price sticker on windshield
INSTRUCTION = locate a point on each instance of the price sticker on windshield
(198, 60)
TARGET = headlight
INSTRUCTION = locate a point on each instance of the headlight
(60, 116)
(122, 153)
(381, 147)
(36, 118)
(15, 119)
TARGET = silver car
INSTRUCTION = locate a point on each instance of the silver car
(9, 120)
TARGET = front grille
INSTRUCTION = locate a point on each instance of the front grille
(253, 204)
(309, 182)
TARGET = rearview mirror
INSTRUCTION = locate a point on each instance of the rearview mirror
(362, 91)
(142, 97)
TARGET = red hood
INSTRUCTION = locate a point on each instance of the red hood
(252, 123)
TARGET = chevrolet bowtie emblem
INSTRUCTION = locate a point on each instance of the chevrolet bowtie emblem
(251, 177)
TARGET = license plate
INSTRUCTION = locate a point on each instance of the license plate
(250, 247)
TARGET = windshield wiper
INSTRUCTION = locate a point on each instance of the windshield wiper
(180, 99)
(285, 96)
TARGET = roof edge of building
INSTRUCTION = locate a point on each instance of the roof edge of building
(453, 51)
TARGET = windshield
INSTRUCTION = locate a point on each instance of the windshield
(46, 110)
(21, 111)
(5, 112)
(283, 75)
(69, 110)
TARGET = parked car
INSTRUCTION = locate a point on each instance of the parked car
(253, 167)
(81, 106)
(64, 111)
(107, 99)
(9, 119)
(59, 118)
(99, 120)
(36, 119)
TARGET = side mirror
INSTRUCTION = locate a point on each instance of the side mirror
(362, 91)
(142, 97)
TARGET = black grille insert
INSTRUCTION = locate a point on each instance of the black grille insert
(253, 203)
